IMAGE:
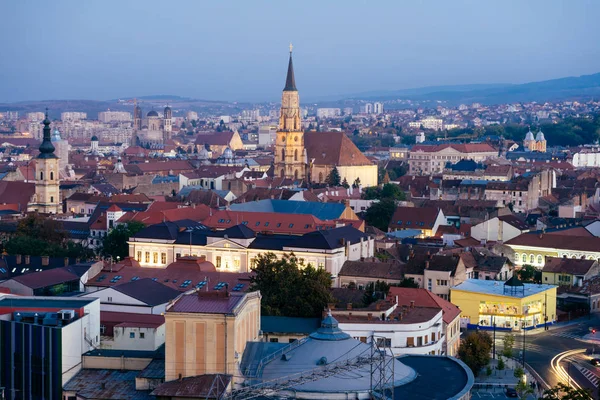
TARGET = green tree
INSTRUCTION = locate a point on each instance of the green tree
(509, 343)
(375, 291)
(345, 183)
(523, 390)
(371, 193)
(334, 179)
(564, 392)
(501, 364)
(356, 183)
(115, 243)
(475, 351)
(409, 283)
(392, 191)
(380, 214)
(42, 228)
(518, 373)
(527, 273)
(289, 288)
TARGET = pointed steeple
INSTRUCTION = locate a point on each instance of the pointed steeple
(290, 81)
(46, 148)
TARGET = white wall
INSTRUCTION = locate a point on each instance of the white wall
(113, 300)
(122, 340)
(399, 332)
(494, 230)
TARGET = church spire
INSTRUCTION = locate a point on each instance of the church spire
(290, 81)
(46, 148)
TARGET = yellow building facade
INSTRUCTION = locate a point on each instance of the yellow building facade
(484, 302)
(207, 334)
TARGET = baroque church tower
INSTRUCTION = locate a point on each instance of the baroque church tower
(47, 181)
(290, 155)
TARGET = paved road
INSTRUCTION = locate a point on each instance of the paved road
(542, 348)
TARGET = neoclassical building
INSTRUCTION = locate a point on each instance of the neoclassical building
(313, 155)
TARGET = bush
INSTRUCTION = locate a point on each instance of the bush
(500, 365)
(488, 370)
(519, 372)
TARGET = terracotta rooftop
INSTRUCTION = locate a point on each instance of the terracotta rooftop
(572, 266)
(424, 298)
(563, 242)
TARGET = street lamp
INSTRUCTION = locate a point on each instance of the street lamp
(524, 337)
(494, 342)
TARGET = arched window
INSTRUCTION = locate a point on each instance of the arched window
(524, 258)
(531, 259)
(295, 174)
(51, 199)
(51, 175)
(229, 186)
(296, 155)
(41, 175)
(282, 154)
(517, 257)
(282, 173)
(320, 177)
(539, 259)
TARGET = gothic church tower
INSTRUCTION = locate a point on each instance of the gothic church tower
(290, 158)
(47, 181)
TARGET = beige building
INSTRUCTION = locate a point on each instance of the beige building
(47, 192)
(523, 193)
(431, 159)
(207, 333)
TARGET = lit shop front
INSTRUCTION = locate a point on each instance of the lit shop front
(510, 305)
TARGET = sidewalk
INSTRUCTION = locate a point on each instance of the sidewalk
(499, 380)
(558, 325)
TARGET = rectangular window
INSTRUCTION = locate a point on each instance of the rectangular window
(236, 262)
(110, 299)
(142, 335)
(155, 258)
(178, 255)
(147, 257)
(321, 264)
(163, 258)
(132, 335)
(139, 256)
(218, 263)
(102, 329)
(274, 340)
(429, 284)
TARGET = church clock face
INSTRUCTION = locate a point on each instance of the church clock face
(295, 138)
(283, 138)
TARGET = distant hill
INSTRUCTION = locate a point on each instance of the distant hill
(585, 86)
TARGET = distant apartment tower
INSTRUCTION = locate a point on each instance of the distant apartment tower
(73, 116)
(348, 111)
(35, 116)
(378, 108)
(114, 116)
(11, 115)
(267, 135)
(250, 115)
(366, 108)
(191, 115)
(328, 112)
(428, 123)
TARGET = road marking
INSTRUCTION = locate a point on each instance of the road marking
(588, 374)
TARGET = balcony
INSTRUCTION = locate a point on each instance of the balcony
(436, 346)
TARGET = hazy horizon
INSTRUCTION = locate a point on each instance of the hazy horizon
(238, 50)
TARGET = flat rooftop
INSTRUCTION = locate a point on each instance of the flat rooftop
(45, 302)
(438, 377)
(497, 288)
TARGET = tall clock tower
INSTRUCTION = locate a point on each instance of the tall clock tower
(290, 157)
(47, 183)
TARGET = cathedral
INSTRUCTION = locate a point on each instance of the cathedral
(152, 130)
(311, 156)
(47, 180)
(535, 144)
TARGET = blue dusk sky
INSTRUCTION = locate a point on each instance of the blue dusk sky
(238, 49)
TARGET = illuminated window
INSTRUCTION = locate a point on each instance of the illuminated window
(147, 257)
(163, 258)
(531, 259)
(218, 262)
(139, 256)
(155, 258)
(524, 258)
(539, 259)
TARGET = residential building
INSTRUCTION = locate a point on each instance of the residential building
(206, 333)
(359, 273)
(431, 159)
(410, 298)
(377, 108)
(71, 116)
(426, 219)
(523, 193)
(428, 123)
(287, 329)
(114, 116)
(586, 157)
(131, 331)
(499, 229)
(510, 305)
(568, 271)
(267, 134)
(533, 248)
(436, 273)
(328, 112)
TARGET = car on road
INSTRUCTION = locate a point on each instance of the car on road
(595, 361)
(511, 392)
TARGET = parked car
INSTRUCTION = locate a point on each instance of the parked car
(511, 392)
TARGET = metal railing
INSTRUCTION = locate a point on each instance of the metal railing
(277, 354)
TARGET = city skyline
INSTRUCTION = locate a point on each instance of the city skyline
(109, 50)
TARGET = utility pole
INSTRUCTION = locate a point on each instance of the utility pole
(545, 311)
(524, 344)
(494, 343)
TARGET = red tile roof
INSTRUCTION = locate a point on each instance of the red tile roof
(424, 298)
(414, 218)
(566, 242)
(463, 148)
(333, 148)
(195, 213)
(571, 266)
